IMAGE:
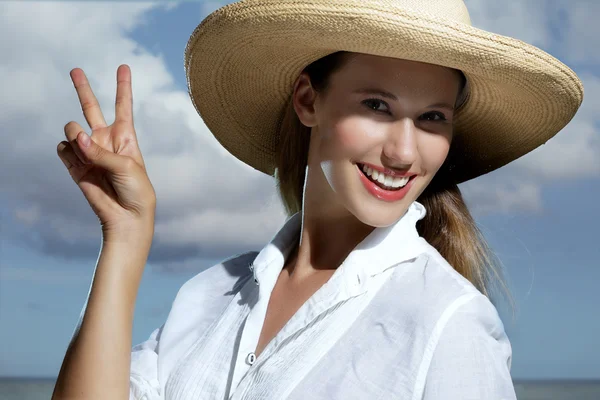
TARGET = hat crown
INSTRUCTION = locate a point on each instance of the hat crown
(455, 10)
(241, 63)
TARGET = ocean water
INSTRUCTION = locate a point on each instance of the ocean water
(41, 389)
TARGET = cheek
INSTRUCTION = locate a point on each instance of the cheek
(340, 144)
(433, 150)
(349, 139)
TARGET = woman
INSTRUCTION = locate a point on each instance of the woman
(369, 113)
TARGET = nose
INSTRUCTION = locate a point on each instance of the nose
(400, 147)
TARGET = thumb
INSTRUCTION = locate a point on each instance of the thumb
(99, 156)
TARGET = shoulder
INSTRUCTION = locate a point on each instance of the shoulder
(203, 297)
(436, 294)
(225, 277)
(466, 339)
(431, 286)
(462, 299)
(438, 269)
(464, 313)
(468, 354)
(468, 298)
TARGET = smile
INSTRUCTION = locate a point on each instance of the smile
(384, 186)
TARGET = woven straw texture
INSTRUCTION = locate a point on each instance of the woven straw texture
(242, 60)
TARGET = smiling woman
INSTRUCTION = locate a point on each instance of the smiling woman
(368, 113)
(421, 129)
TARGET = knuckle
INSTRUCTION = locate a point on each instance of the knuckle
(129, 164)
(99, 153)
(89, 104)
(64, 150)
(121, 100)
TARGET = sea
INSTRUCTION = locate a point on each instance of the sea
(41, 389)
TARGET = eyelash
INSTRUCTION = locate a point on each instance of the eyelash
(436, 113)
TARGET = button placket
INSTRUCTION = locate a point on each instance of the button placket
(246, 358)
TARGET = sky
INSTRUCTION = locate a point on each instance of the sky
(539, 213)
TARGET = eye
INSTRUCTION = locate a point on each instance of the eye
(431, 116)
(374, 105)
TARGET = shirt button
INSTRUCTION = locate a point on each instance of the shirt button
(250, 358)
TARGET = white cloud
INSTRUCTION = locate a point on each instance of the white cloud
(206, 198)
(565, 27)
(37, 275)
(490, 196)
(583, 31)
(217, 227)
(209, 6)
(575, 151)
(28, 215)
(521, 19)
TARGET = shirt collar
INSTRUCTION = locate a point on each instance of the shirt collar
(381, 249)
(387, 247)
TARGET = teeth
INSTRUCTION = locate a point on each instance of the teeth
(399, 182)
(384, 179)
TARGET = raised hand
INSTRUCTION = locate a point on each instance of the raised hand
(107, 165)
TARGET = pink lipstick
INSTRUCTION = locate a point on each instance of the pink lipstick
(381, 193)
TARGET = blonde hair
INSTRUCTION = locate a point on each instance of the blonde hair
(448, 225)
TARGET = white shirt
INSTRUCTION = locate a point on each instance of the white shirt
(395, 321)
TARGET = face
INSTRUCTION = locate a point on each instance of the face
(379, 133)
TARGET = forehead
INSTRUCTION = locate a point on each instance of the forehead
(396, 74)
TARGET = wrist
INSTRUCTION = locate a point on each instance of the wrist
(123, 262)
(138, 234)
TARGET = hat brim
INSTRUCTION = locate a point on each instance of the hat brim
(242, 60)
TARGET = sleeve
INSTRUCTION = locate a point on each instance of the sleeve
(143, 377)
(472, 358)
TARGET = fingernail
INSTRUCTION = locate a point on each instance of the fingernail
(85, 139)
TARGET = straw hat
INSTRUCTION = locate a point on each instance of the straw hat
(242, 60)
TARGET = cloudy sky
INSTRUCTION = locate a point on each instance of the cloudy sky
(540, 213)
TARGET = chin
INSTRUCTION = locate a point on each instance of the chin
(376, 213)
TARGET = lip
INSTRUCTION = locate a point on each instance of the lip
(382, 194)
(387, 171)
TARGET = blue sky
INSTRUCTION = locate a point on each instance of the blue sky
(540, 213)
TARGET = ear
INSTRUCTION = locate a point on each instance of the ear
(303, 98)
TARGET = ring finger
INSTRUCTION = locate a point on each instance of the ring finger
(72, 129)
(68, 157)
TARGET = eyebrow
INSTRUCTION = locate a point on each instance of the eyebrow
(391, 96)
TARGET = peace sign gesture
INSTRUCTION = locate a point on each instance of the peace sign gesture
(107, 165)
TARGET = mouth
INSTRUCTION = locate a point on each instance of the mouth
(382, 186)
(384, 181)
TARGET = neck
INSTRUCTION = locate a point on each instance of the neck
(329, 234)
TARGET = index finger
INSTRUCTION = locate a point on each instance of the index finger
(124, 100)
(87, 99)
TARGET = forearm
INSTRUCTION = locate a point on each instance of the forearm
(97, 362)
